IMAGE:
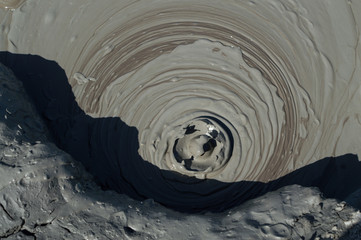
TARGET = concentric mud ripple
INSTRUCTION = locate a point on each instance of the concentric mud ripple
(214, 92)
(196, 105)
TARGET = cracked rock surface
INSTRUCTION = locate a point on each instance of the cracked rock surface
(45, 194)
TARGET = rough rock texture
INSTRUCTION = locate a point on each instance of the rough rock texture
(45, 194)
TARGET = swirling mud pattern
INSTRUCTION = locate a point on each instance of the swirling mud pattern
(218, 91)
(214, 92)
(212, 95)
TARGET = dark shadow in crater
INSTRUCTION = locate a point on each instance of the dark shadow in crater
(109, 150)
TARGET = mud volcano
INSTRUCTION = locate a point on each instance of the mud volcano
(199, 105)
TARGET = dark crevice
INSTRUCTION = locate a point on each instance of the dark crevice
(6, 164)
(130, 231)
(190, 129)
(214, 134)
(66, 229)
(28, 233)
(7, 213)
(210, 145)
(188, 164)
